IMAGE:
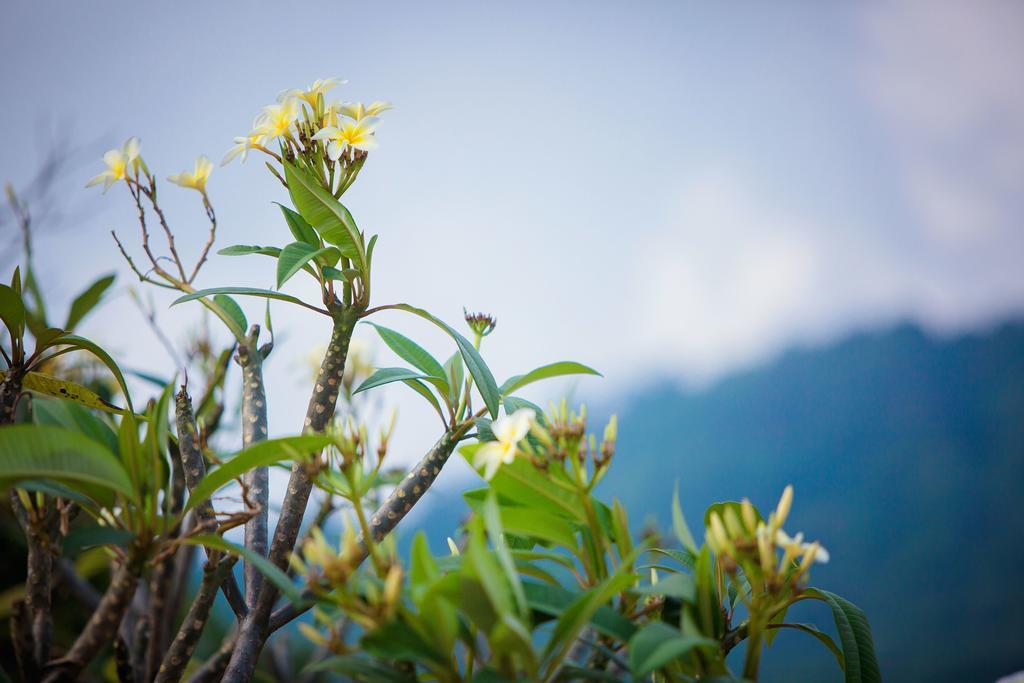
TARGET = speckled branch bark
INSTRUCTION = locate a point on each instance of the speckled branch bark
(180, 651)
(195, 469)
(255, 627)
(101, 629)
(161, 582)
(254, 430)
(10, 390)
(390, 513)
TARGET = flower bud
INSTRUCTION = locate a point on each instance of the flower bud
(782, 510)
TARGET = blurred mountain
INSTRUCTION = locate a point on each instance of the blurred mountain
(906, 453)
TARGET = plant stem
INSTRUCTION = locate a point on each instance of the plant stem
(255, 628)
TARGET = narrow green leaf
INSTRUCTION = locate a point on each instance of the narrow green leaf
(823, 638)
(88, 300)
(421, 389)
(300, 229)
(582, 609)
(544, 372)
(12, 310)
(854, 635)
(410, 351)
(554, 600)
(233, 311)
(296, 255)
(62, 388)
(265, 566)
(325, 213)
(386, 376)
(657, 644)
(246, 249)
(261, 454)
(74, 341)
(84, 537)
(680, 526)
(45, 452)
(482, 376)
(246, 291)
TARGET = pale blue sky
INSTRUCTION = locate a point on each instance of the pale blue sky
(666, 188)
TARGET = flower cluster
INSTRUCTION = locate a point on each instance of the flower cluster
(745, 540)
(336, 135)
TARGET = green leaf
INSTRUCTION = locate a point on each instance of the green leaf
(88, 300)
(679, 586)
(854, 635)
(386, 376)
(12, 310)
(265, 566)
(76, 342)
(528, 521)
(362, 668)
(233, 311)
(246, 249)
(680, 526)
(482, 376)
(683, 557)
(296, 255)
(44, 452)
(583, 608)
(261, 454)
(410, 351)
(823, 638)
(514, 403)
(421, 389)
(544, 372)
(493, 525)
(554, 600)
(325, 213)
(453, 372)
(246, 291)
(62, 388)
(521, 482)
(84, 537)
(300, 229)
(657, 644)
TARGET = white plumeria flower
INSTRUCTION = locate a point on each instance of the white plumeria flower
(196, 179)
(117, 161)
(319, 87)
(509, 431)
(359, 111)
(242, 146)
(794, 545)
(277, 119)
(357, 134)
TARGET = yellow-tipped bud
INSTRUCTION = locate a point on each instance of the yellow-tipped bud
(782, 510)
(765, 551)
(393, 585)
(721, 537)
(452, 547)
(611, 430)
(732, 523)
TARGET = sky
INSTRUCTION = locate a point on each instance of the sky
(663, 190)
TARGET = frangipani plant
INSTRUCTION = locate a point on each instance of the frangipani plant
(547, 582)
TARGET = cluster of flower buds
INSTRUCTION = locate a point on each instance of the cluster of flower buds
(562, 437)
(352, 444)
(745, 540)
(367, 599)
(481, 324)
(321, 564)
